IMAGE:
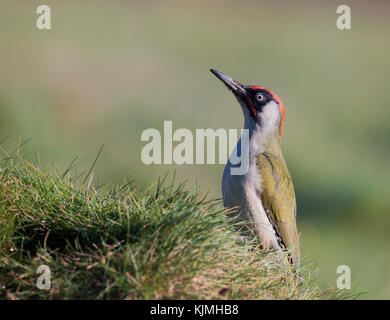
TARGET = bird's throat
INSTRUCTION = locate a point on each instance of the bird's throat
(262, 139)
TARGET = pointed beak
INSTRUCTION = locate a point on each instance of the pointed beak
(235, 86)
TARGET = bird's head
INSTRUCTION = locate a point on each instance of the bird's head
(261, 107)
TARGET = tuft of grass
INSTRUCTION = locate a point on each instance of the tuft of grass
(163, 242)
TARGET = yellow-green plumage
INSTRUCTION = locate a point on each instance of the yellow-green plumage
(278, 198)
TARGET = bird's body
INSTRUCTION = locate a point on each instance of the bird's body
(263, 195)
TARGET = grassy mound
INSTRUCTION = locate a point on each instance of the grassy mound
(163, 242)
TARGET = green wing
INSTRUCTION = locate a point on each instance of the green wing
(278, 198)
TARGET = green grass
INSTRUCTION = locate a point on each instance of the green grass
(163, 242)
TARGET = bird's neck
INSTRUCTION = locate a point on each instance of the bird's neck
(263, 139)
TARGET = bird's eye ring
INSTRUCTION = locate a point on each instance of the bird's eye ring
(260, 97)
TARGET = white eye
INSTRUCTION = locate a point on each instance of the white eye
(259, 97)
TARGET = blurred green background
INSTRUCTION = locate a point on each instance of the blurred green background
(110, 69)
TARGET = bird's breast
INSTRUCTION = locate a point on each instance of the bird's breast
(236, 189)
(241, 192)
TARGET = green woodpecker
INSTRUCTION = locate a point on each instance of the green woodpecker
(264, 194)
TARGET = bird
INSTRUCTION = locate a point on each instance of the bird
(264, 194)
